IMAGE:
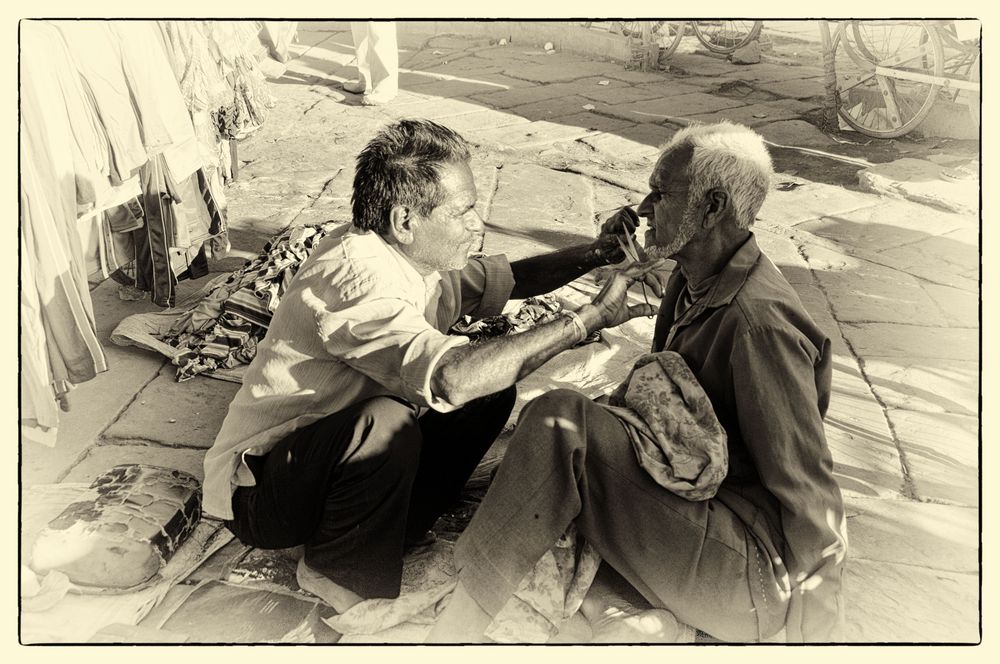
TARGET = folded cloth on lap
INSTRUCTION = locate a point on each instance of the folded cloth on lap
(676, 437)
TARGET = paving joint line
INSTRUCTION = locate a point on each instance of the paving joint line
(494, 187)
(908, 489)
(916, 565)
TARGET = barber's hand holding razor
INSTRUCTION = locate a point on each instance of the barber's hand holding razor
(618, 245)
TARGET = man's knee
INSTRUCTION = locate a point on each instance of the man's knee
(556, 416)
(557, 404)
(388, 429)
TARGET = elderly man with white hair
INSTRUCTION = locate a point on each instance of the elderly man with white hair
(766, 553)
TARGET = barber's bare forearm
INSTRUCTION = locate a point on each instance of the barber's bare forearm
(542, 274)
(469, 372)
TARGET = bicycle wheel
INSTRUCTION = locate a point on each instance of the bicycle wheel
(895, 100)
(669, 35)
(724, 37)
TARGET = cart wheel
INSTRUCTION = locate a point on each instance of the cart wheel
(726, 36)
(886, 106)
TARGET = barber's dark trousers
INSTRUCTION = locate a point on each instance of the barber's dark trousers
(356, 486)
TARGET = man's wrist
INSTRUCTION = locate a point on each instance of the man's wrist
(602, 253)
(578, 325)
(590, 317)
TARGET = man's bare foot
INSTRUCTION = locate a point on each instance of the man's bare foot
(627, 624)
(319, 584)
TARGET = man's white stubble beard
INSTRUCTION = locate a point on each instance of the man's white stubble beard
(687, 230)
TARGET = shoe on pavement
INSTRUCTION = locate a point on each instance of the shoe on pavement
(375, 100)
(354, 87)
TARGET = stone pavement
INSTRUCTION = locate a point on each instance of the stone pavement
(560, 140)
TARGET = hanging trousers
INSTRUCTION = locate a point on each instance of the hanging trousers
(356, 486)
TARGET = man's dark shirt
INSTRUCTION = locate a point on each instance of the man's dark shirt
(767, 369)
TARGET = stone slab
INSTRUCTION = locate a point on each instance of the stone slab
(556, 72)
(433, 109)
(540, 205)
(593, 121)
(927, 385)
(756, 115)
(866, 461)
(765, 72)
(860, 291)
(637, 76)
(894, 603)
(943, 537)
(468, 66)
(812, 201)
(288, 185)
(186, 414)
(330, 210)
(784, 252)
(959, 306)
(643, 140)
(694, 65)
(942, 454)
(800, 88)
(885, 225)
(919, 180)
(617, 92)
(797, 133)
(526, 136)
(547, 109)
(943, 260)
(461, 87)
(529, 94)
(912, 342)
(483, 119)
(680, 106)
(102, 457)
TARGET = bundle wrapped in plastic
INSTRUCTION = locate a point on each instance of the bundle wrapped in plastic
(122, 537)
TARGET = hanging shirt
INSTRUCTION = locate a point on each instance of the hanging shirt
(357, 321)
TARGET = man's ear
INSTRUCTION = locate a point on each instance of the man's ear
(401, 224)
(715, 207)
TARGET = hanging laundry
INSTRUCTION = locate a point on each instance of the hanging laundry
(97, 56)
(163, 117)
(232, 43)
(159, 264)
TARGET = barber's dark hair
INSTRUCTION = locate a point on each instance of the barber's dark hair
(400, 166)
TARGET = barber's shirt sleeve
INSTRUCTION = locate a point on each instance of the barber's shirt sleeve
(486, 284)
(774, 379)
(391, 342)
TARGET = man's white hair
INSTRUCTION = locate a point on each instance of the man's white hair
(730, 157)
